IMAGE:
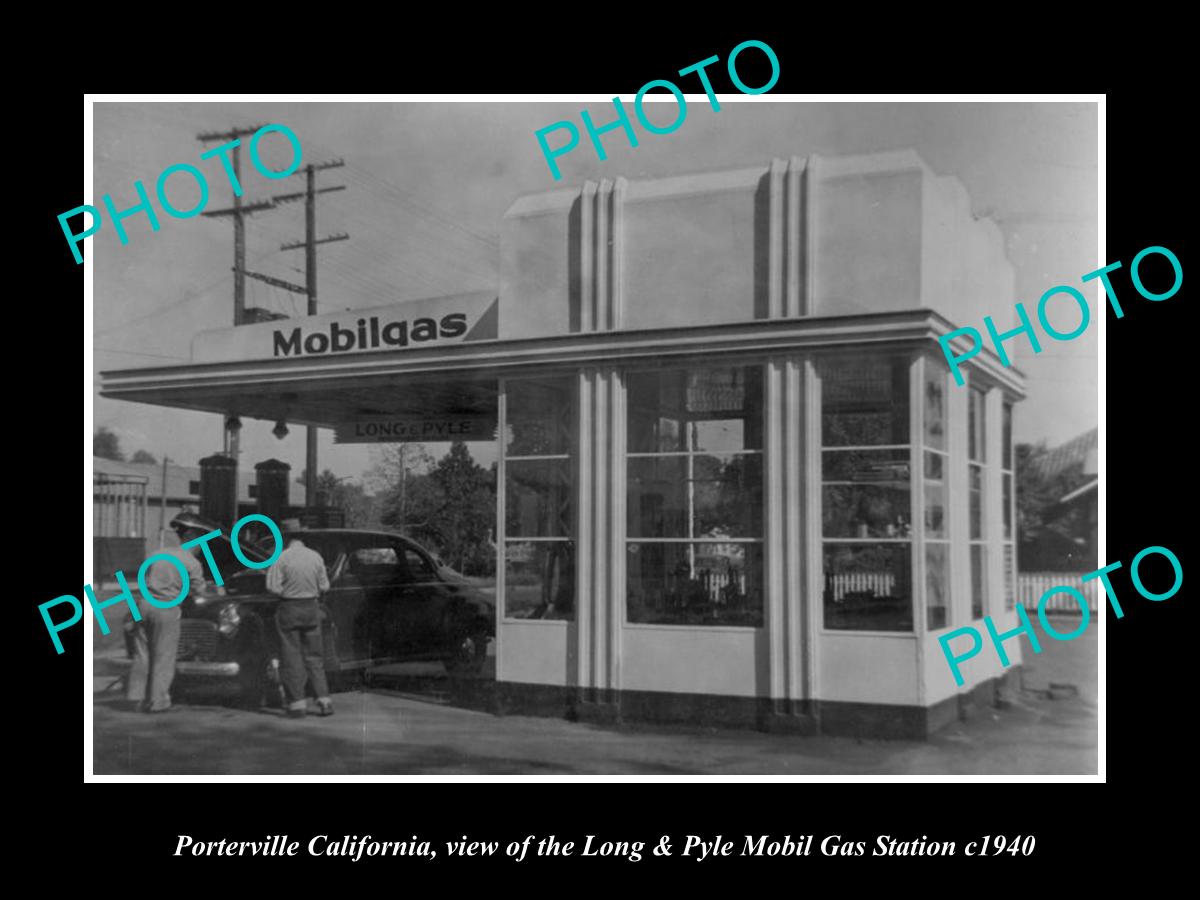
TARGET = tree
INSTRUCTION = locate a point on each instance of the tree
(1050, 536)
(144, 456)
(348, 496)
(107, 445)
(451, 508)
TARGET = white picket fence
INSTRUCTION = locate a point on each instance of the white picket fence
(881, 584)
(1032, 585)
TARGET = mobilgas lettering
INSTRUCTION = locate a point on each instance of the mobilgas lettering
(366, 334)
(453, 325)
(287, 345)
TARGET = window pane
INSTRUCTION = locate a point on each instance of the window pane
(934, 466)
(866, 511)
(1009, 577)
(538, 498)
(935, 405)
(976, 426)
(419, 569)
(694, 584)
(864, 402)
(935, 498)
(717, 409)
(937, 581)
(539, 580)
(975, 476)
(1006, 436)
(727, 496)
(868, 587)
(978, 579)
(540, 417)
(1007, 500)
(656, 411)
(889, 468)
(657, 497)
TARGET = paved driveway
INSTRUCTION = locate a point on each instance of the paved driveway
(418, 731)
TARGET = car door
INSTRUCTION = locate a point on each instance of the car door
(346, 603)
(422, 603)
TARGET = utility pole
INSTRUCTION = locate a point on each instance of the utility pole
(238, 211)
(310, 288)
(162, 505)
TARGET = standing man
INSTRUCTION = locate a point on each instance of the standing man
(154, 640)
(298, 578)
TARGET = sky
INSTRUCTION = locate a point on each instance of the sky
(427, 184)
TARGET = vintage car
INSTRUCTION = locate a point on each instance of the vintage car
(389, 600)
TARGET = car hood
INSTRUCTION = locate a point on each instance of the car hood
(221, 546)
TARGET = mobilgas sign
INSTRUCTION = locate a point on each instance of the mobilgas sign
(369, 335)
(401, 326)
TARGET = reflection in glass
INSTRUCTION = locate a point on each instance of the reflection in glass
(975, 494)
(727, 496)
(1008, 511)
(657, 497)
(864, 402)
(865, 511)
(694, 584)
(976, 426)
(978, 579)
(937, 580)
(540, 420)
(1006, 436)
(538, 498)
(716, 409)
(1010, 594)
(868, 587)
(539, 580)
(882, 467)
(935, 496)
(935, 405)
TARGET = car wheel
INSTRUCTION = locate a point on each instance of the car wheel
(469, 654)
(254, 681)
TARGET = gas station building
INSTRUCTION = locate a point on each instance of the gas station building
(736, 480)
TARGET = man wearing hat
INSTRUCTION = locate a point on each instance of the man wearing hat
(298, 578)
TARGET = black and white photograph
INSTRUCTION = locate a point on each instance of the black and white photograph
(671, 436)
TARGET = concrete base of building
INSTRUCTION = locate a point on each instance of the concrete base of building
(801, 717)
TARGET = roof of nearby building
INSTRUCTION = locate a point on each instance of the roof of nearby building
(1081, 491)
(179, 478)
(1079, 451)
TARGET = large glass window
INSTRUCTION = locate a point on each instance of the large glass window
(694, 486)
(977, 490)
(937, 465)
(539, 550)
(1010, 548)
(867, 493)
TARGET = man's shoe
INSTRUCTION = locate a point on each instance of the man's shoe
(325, 707)
(162, 709)
(297, 713)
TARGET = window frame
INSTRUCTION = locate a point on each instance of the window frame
(691, 540)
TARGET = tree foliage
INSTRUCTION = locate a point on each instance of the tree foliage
(107, 445)
(144, 456)
(451, 508)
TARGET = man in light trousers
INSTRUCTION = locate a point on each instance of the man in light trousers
(298, 578)
(154, 641)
